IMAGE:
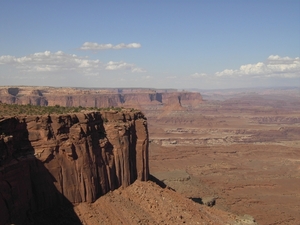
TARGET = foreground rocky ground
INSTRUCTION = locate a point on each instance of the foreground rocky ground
(147, 203)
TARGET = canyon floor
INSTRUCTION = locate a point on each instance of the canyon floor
(240, 148)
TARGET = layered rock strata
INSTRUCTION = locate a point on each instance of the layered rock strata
(46, 160)
(136, 98)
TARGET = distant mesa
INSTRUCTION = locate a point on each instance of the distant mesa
(141, 98)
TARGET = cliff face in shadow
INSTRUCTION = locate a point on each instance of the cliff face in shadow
(71, 158)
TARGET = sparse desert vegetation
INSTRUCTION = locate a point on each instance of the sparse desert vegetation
(16, 109)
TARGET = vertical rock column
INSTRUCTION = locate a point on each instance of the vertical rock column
(142, 156)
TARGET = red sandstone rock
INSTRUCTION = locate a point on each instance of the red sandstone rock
(74, 156)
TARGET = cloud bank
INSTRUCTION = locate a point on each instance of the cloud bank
(93, 46)
(274, 66)
(63, 69)
(61, 62)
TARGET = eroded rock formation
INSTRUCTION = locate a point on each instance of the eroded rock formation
(46, 160)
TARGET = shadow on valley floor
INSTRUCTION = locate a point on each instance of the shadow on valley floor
(157, 181)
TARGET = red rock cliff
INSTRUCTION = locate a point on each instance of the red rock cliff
(45, 160)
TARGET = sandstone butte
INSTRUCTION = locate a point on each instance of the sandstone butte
(48, 160)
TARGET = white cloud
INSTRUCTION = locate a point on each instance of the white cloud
(117, 65)
(198, 75)
(50, 62)
(123, 66)
(60, 62)
(96, 47)
(138, 70)
(274, 66)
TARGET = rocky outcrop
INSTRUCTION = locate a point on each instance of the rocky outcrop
(47, 160)
(135, 98)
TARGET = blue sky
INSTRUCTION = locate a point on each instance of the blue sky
(158, 44)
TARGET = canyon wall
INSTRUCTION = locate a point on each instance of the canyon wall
(48, 160)
(135, 98)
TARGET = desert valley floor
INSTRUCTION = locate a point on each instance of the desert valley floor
(243, 149)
